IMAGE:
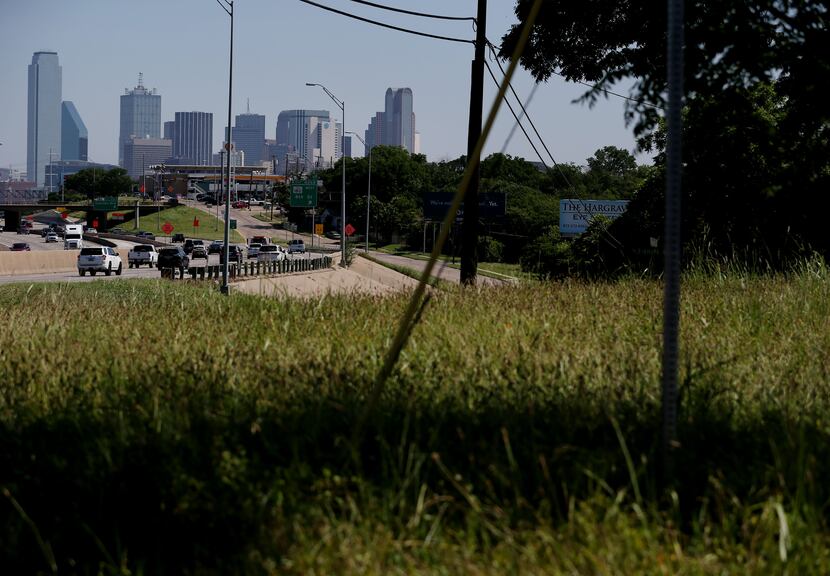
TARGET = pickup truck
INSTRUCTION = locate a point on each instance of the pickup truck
(142, 254)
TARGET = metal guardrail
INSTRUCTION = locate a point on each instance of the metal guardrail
(254, 269)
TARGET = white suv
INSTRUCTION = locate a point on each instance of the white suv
(99, 259)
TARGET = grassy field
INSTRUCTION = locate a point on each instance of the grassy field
(169, 429)
(181, 217)
(493, 269)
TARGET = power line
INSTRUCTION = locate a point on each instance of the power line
(513, 129)
(410, 12)
(588, 84)
(391, 27)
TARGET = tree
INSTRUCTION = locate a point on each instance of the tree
(756, 123)
(97, 182)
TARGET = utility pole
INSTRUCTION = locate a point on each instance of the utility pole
(469, 236)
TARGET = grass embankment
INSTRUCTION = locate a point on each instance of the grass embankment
(492, 269)
(181, 217)
(222, 443)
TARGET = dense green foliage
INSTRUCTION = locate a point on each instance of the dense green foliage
(756, 139)
(399, 181)
(97, 182)
(168, 429)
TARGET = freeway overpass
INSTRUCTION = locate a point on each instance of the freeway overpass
(16, 212)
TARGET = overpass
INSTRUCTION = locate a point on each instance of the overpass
(16, 212)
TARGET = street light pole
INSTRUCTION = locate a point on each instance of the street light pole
(342, 105)
(225, 289)
(368, 188)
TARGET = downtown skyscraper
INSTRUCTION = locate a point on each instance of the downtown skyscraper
(193, 138)
(249, 137)
(140, 116)
(43, 129)
(395, 126)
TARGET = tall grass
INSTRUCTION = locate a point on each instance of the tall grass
(161, 427)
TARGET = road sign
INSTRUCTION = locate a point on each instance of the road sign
(167, 227)
(141, 189)
(170, 188)
(95, 223)
(195, 222)
(64, 215)
(304, 194)
(437, 204)
(318, 229)
(233, 224)
(105, 203)
(349, 229)
(117, 216)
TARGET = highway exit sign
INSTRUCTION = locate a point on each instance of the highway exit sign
(105, 203)
(304, 194)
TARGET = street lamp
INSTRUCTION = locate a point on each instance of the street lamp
(227, 6)
(368, 188)
(342, 105)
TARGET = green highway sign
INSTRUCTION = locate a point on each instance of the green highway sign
(233, 224)
(304, 194)
(108, 203)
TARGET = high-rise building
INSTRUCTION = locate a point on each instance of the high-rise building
(141, 153)
(193, 138)
(169, 129)
(249, 137)
(74, 137)
(302, 136)
(43, 132)
(140, 115)
(395, 126)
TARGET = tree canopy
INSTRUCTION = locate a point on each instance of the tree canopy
(95, 182)
(756, 140)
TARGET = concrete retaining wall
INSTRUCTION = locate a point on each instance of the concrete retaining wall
(43, 261)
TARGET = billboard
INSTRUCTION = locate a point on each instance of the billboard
(575, 215)
(437, 204)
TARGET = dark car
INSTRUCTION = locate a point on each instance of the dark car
(190, 243)
(234, 255)
(178, 238)
(215, 247)
(146, 235)
(333, 235)
(20, 247)
(173, 257)
(120, 231)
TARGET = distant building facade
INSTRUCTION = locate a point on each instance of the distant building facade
(141, 153)
(307, 137)
(140, 116)
(169, 129)
(249, 137)
(43, 130)
(193, 138)
(395, 126)
(74, 136)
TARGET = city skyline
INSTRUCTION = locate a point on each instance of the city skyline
(355, 60)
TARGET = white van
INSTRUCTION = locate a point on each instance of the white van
(73, 238)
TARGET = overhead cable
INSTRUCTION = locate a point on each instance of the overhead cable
(410, 12)
(588, 84)
(391, 27)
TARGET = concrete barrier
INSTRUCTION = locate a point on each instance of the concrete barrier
(44, 262)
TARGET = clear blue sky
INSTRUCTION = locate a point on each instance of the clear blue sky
(181, 46)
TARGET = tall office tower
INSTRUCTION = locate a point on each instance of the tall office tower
(249, 136)
(141, 153)
(374, 133)
(74, 137)
(322, 142)
(395, 126)
(140, 115)
(193, 138)
(44, 115)
(293, 130)
(169, 129)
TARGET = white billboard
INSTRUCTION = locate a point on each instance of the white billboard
(576, 215)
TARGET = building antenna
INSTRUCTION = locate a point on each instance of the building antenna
(249, 105)
(141, 80)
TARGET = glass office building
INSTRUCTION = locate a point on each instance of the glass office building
(74, 136)
(43, 130)
(140, 116)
